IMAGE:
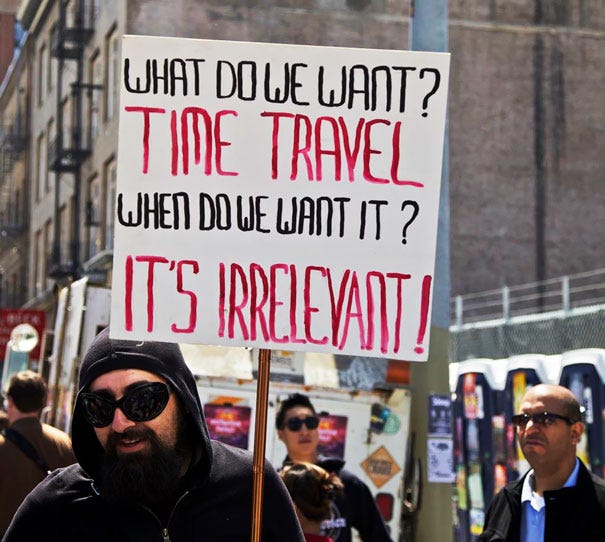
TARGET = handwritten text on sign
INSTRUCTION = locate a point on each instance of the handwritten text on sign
(278, 196)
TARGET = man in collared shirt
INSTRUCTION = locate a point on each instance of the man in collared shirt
(558, 500)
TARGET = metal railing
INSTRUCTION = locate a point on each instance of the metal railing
(67, 41)
(59, 262)
(565, 294)
(63, 154)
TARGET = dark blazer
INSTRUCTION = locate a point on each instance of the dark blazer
(572, 513)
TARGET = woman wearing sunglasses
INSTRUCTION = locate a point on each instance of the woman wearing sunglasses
(147, 469)
(558, 500)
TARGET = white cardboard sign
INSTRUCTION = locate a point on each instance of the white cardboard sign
(278, 196)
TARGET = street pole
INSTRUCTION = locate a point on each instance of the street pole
(428, 32)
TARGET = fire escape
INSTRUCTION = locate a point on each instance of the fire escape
(12, 217)
(13, 214)
(72, 145)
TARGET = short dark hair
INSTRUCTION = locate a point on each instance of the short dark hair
(28, 391)
(293, 400)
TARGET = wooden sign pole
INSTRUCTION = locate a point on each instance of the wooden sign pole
(260, 432)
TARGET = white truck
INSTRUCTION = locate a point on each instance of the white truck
(368, 428)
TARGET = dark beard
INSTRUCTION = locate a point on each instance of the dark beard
(151, 477)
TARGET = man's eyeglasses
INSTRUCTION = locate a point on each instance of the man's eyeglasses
(140, 404)
(294, 424)
(541, 418)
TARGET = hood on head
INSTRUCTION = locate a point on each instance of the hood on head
(163, 359)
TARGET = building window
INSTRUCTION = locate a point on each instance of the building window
(51, 76)
(51, 136)
(65, 231)
(95, 9)
(39, 261)
(112, 71)
(94, 202)
(110, 201)
(9, 290)
(70, 13)
(10, 212)
(66, 123)
(19, 215)
(94, 96)
(16, 293)
(48, 242)
(42, 71)
(42, 171)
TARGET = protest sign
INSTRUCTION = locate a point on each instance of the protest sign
(278, 196)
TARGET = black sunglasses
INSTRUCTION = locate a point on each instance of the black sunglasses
(139, 404)
(541, 418)
(294, 424)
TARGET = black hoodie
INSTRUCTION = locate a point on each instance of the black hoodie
(215, 506)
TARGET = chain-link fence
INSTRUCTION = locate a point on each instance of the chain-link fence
(549, 317)
(543, 333)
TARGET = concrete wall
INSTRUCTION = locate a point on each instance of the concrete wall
(381, 24)
(527, 148)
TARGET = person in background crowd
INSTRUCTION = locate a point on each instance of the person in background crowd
(20, 473)
(313, 490)
(558, 500)
(3, 419)
(297, 427)
(147, 468)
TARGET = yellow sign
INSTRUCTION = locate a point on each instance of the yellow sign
(380, 466)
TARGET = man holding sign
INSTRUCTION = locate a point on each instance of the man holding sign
(147, 467)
